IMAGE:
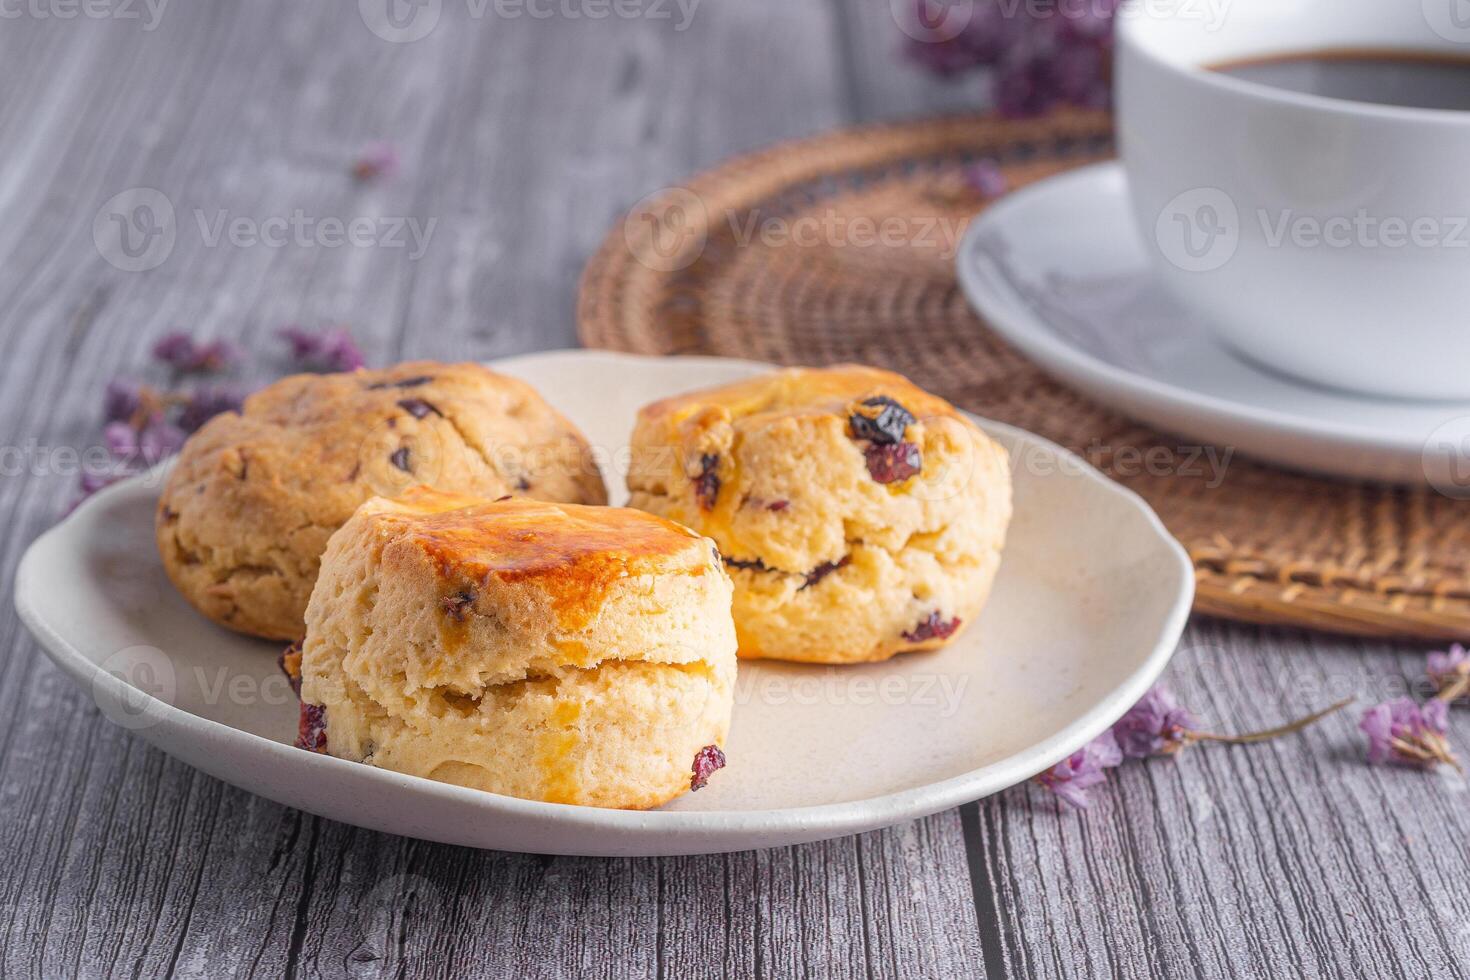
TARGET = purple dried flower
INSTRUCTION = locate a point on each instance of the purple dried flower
(377, 159)
(91, 481)
(1071, 778)
(947, 47)
(207, 401)
(1408, 734)
(1156, 725)
(985, 179)
(153, 442)
(121, 439)
(122, 400)
(174, 349)
(331, 350)
(1044, 55)
(182, 353)
(1449, 671)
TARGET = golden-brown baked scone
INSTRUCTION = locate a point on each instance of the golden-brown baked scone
(858, 515)
(546, 651)
(247, 511)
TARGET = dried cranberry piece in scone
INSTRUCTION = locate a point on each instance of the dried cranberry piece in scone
(311, 730)
(821, 463)
(880, 420)
(823, 570)
(311, 723)
(707, 761)
(707, 483)
(893, 463)
(934, 627)
(419, 408)
(290, 664)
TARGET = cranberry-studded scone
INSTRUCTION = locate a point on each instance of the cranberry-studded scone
(858, 515)
(247, 511)
(547, 651)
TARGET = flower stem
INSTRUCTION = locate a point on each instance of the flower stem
(1454, 689)
(1270, 733)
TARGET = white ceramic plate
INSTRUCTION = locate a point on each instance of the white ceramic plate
(1060, 270)
(1086, 611)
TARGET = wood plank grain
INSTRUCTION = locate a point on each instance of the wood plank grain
(522, 140)
(1291, 858)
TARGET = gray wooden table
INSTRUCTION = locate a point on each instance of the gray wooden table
(523, 137)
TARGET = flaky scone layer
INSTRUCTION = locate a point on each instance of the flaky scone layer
(551, 652)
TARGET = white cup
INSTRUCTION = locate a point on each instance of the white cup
(1325, 238)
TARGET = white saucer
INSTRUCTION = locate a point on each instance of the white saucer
(1060, 271)
(1089, 604)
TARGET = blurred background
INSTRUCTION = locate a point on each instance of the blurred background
(518, 132)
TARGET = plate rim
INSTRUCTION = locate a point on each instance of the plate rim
(1014, 320)
(713, 830)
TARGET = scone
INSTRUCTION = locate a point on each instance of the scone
(546, 651)
(247, 511)
(858, 515)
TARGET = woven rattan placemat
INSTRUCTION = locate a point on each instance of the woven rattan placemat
(769, 257)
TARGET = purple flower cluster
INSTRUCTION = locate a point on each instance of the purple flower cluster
(1400, 732)
(187, 356)
(1404, 733)
(1044, 55)
(985, 179)
(1156, 725)
(330, 350)
(206, 401)
(143, 425)
(1071, 778)
(1449, 672)
(1408, 734)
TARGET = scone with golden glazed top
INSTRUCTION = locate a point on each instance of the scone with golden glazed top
(546, 651)
(247, 511)
(858, 515)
